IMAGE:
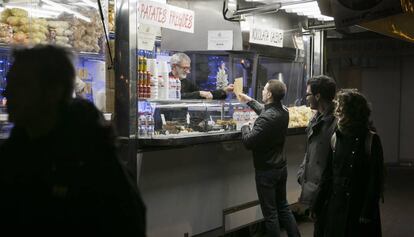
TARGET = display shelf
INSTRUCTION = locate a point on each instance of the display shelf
(5, 48)
(189, 139)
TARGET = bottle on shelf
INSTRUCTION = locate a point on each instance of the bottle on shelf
(170, 86)
(166, 81)
(144, 85)
(178, 88)
(140, 64)
(161, 88)
(150, 124)
(142, 125)
(144, 64)
(154, 88)
(139, 87)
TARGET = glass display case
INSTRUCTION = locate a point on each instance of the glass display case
(163, 116)
(73, 24)
(161, 113)
(171, 122)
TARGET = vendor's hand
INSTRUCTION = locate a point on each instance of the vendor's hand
(244, 98)
(206, 95)
(229, 88)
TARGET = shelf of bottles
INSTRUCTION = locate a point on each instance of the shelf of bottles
(154, 79)
(154, 83)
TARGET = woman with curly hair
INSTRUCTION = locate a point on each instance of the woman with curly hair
(352, 183)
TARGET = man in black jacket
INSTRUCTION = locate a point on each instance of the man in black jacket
(180, 68)
(59, 173)
(319, 93)
(267, 139)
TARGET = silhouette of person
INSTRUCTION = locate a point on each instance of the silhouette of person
(59, 173)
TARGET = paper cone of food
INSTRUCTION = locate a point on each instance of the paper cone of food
(238, 86)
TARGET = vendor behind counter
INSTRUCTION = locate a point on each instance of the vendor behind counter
(180, 68)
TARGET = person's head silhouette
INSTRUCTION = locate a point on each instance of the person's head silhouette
(39, 82)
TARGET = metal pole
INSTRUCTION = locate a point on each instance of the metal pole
(125, 81)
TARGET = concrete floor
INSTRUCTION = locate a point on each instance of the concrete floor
(397, 212)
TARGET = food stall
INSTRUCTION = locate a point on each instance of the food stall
(76, 25)
(194, 174)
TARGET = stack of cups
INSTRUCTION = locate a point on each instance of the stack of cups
(163, 81)
(153, 69)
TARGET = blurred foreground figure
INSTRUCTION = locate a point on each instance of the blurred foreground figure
(59, 173)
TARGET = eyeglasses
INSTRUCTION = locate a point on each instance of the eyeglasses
(184, 68)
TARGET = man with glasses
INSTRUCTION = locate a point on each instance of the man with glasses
(180, 68)
(320, 93)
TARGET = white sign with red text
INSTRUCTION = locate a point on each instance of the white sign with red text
(266, 36)
(166, 16)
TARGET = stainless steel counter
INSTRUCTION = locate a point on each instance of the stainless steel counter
(189, 189)
(188, 139)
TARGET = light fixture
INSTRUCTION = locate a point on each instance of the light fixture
(309, 9)
(298, 6)
(35, 11)
(91, 4)
(60, 7)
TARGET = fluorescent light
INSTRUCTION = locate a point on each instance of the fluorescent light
(309, 12)
(232, 5)
(301, 5)
(82, 4)
(65, 9)
(308, 9)
(91, 4)
(321, 17)
(36, 12)
(303, 10)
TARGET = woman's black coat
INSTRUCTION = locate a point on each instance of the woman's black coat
(351, 188)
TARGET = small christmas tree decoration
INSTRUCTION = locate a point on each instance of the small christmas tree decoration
(222, 77)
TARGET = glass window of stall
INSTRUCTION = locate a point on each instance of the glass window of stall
(216, 70)
(71, 24)
(294, 75)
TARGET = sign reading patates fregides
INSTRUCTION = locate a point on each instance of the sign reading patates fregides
(166, 16)
(266, 36)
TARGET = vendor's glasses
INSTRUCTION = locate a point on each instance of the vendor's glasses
(184, 68)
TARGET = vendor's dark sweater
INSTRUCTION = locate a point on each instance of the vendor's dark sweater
(190, 90)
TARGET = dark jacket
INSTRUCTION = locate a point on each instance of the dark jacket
(267, 137)
(68, 182)
(189, 90)
(319, 133)
(351, 188)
